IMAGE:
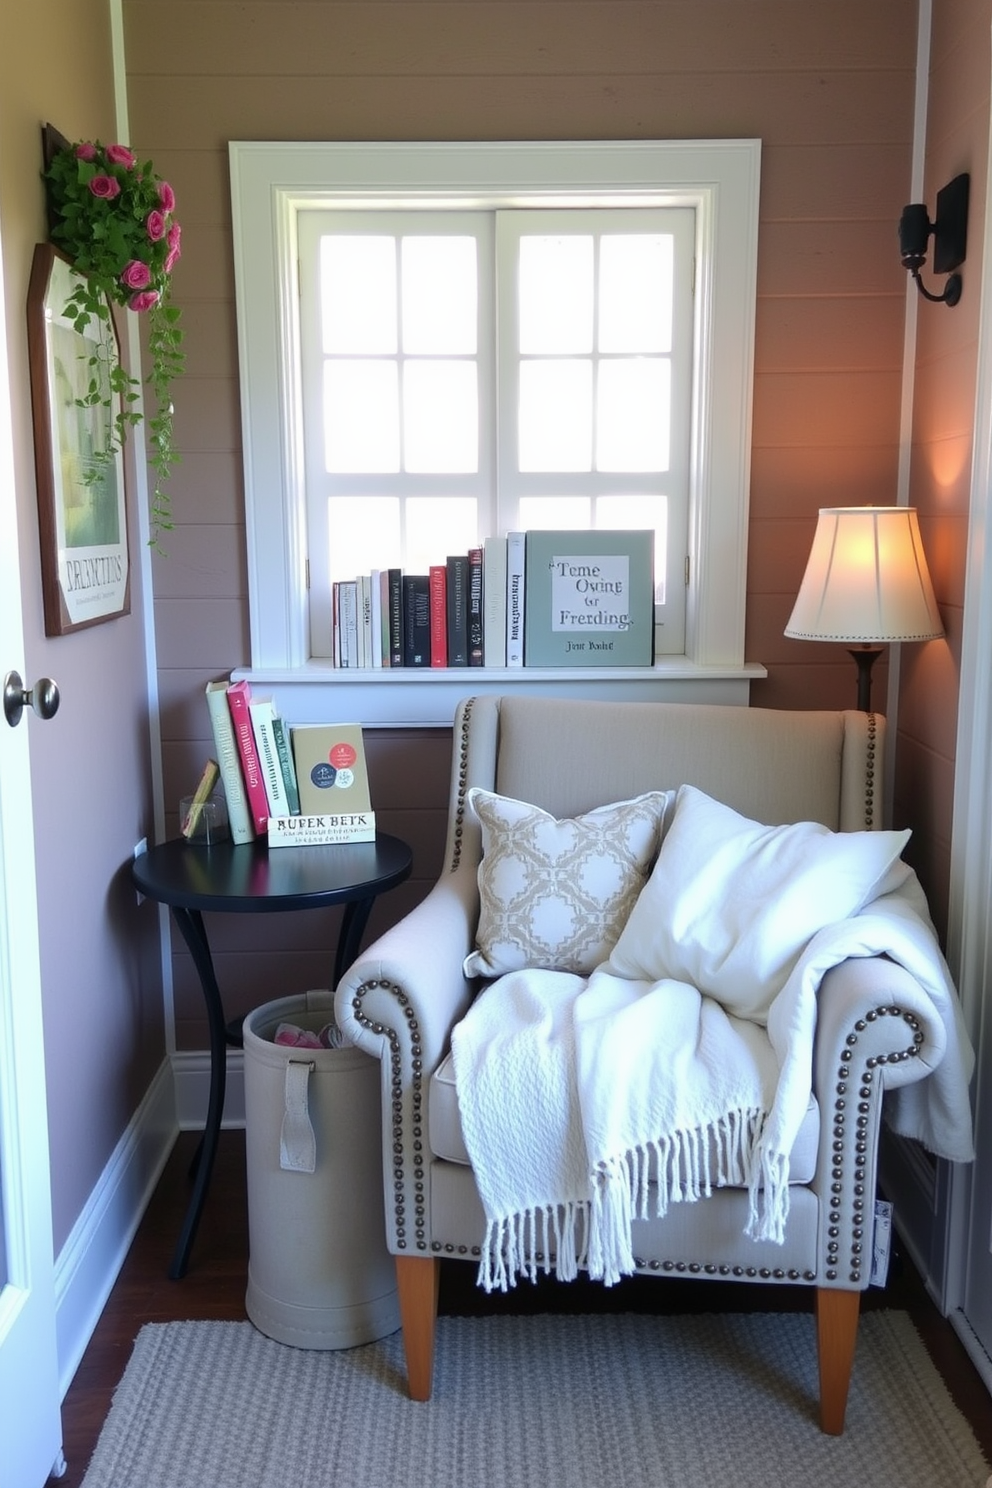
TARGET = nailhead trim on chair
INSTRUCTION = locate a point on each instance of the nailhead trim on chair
(870, 771)
(846, 1077)
(416, 1101)
(456, 853)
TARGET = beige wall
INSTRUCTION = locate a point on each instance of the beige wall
(946, 358)
(102, 985)
(828, 89)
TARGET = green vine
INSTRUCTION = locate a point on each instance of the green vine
(114, 220)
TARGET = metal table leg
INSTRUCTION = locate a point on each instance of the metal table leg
(190, 925)
(356, 917)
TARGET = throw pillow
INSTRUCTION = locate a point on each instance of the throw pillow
(555, 894)
(731, 904)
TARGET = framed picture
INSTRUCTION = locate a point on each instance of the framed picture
(81, 499)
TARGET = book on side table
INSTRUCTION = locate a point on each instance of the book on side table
(333, 783)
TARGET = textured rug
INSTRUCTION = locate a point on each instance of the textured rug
(708, 1401)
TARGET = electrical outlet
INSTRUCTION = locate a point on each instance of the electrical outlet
(139, 848)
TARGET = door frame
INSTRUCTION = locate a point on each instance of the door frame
(969, 929)
(30, 1424)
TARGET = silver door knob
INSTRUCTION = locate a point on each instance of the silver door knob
(43, 697)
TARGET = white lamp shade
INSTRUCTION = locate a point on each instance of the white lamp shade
(866, 579)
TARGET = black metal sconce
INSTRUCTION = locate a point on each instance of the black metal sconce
(950, 233)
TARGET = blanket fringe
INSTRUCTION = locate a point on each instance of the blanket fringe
(595, 1234)
(543, 1238)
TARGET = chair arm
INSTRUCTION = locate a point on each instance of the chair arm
(398, 1002)
(876, 1029)
(872, 1011)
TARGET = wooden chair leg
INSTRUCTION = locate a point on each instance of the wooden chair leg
(836, 1335)
(417, 1279)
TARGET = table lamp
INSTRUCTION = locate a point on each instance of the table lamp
(866, 582)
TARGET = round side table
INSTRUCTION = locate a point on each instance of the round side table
(249, 878)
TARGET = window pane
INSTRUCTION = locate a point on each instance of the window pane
(633, 414)
(361, 417)
(556, 415)
(358, 295)
(437, 526)
(633, 513)
(363, 533)
(440, 296)
(555, 513)
(556, 295)
(636, 284)
(440, 417)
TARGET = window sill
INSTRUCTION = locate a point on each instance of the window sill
(408, 697)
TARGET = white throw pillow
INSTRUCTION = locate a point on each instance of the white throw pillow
(731, 904)
(556, 894)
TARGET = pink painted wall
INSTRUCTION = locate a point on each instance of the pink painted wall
(90, 766)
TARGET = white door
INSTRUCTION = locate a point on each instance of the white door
(30, 1426)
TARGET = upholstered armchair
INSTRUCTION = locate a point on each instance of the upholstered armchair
(876, 1028)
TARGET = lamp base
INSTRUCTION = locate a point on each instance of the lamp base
(865, 657)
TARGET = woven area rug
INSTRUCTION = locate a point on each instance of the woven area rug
(624, 1401)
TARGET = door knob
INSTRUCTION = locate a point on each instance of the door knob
(43, 697)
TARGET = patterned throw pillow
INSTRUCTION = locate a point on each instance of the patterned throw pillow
(556, 894)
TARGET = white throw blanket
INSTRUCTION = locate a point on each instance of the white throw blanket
(574, 1092)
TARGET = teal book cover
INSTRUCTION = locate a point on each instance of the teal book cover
(589, 599)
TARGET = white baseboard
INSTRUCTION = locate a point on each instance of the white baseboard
(90, 1260)
(192, 1081)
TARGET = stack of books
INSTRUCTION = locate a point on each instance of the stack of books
(294, 786)
(523, 599)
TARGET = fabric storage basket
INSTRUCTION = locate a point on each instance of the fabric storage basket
(319, 1274)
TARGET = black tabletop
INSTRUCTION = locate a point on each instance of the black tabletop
(251, 877)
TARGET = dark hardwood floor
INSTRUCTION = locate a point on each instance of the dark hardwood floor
(214, 1287)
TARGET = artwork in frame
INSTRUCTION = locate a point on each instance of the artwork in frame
(80, 470)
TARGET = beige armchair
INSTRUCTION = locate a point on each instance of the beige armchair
(876, 1028)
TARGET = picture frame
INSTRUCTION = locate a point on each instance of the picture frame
(82, 508)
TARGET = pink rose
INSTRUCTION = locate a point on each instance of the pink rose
(155, 224)
(143, 300)
(136, 275)
(86, 151)
(120, 155)
(173, 237)
(166, 197)
(105, 187)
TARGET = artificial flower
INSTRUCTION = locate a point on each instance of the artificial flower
(113, 219)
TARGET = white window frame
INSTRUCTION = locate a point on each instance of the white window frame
(271, 182)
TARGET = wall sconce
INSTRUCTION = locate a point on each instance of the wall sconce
(950, 233)
(866, 581)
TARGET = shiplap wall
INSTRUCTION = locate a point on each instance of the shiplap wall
(828, 89)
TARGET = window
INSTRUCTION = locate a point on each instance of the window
(490, 337)
(431, 417)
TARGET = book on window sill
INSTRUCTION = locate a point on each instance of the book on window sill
(375, 639)
(395, 583)
(348, 622)
(589, 599)
(416, 620)
(457, 601)
(494, 602)
(323, 830)
(238, 698)
(331, 770)
(515, 598)
(229, 761)
(475, 617)
(438, 576)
